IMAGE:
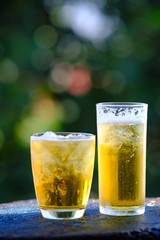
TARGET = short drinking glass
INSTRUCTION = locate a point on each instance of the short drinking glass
(121, 131)
(62, 166)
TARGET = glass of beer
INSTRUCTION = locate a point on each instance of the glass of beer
(62, 167)
(121, 129)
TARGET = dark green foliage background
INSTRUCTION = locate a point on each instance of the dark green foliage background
(129, 58)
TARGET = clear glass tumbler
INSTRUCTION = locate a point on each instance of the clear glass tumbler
(121, 131)
(62, 166)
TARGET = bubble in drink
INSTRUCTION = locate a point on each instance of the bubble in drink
(122, 157)
(62, 169)
(121, 164)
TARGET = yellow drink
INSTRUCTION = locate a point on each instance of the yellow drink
(121, 165)
(121, 158)
(62, 172)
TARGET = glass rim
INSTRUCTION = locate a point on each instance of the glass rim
(63, 133)
(86, 136)
(122, 104)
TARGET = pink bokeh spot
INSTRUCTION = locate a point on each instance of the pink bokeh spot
(79, 81)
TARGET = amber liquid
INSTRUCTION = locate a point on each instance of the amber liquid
(121, 153)
(62, 173)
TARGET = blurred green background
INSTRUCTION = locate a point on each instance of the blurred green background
(57, 60)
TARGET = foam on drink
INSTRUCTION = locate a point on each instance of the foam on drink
(117, 114)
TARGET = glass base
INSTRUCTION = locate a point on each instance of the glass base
(125, 211)
(63, 214)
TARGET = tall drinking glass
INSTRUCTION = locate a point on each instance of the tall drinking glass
(62, 166)
(121, 131)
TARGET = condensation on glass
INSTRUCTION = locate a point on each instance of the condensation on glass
(62, 166)
(121, 129)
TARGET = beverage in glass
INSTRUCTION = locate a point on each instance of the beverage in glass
(121, 131)
(62, 166)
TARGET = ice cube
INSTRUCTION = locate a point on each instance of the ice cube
(76, 136)
(61, 137)
(46, 136)
(49, 136)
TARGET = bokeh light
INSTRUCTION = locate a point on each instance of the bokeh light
(69, 47)
(75, 79)
(45, 36)
(45, 114)
(122, 46)
(114, 82)
(59, 76)
(79, 81)
(42, 59)
(87, 20)
(8, 71)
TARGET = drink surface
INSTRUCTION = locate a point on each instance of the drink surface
(121, 150)
(62, 172)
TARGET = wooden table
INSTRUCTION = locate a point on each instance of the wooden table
(22, 219)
